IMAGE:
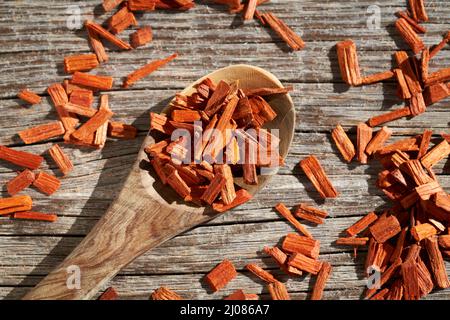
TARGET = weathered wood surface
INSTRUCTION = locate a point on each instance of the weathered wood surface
(34, 39)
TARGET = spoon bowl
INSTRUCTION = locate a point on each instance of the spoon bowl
(147, 213)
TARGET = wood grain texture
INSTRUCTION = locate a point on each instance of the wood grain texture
(33, 42)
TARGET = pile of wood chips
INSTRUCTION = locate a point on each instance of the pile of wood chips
(202, 170)
(406, 243)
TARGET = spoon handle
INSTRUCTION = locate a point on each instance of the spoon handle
(135, 223)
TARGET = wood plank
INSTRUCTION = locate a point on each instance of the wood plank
(234, 234)
(97, 178)
(317, 63)
(191, 285)
(90, 193)
(319, 107)
(34, 32)
(144, 293)
(192, 255)
(90, 161)
(172, 257)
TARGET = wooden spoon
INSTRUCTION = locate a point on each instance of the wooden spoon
(147, 213)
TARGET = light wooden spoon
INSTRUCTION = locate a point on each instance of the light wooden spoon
(147, 213)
